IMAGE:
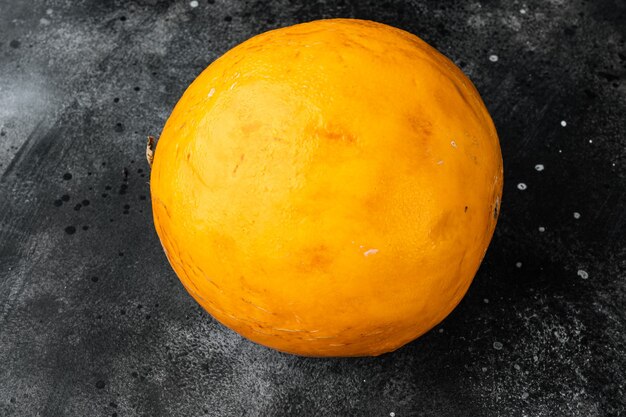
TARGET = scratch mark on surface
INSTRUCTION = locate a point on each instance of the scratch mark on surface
(370, 252)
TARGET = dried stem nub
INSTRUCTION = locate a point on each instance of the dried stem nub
(150, 150)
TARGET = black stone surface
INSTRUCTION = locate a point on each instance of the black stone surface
(93, 322)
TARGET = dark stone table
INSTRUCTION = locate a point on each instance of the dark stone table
(93, 321)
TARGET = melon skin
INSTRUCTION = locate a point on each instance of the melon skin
(329, 188)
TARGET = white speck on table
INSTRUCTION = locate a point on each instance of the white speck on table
(497, 345)
(576, 215)
(193, 3)
(518, 264)
(583, 274)
(521, 186)
(563, 123)
(542, 229)
(493, 58)
(539, 167)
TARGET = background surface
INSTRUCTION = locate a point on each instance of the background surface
(93, 322)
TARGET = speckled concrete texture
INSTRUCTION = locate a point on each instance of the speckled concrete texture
(93, 322)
